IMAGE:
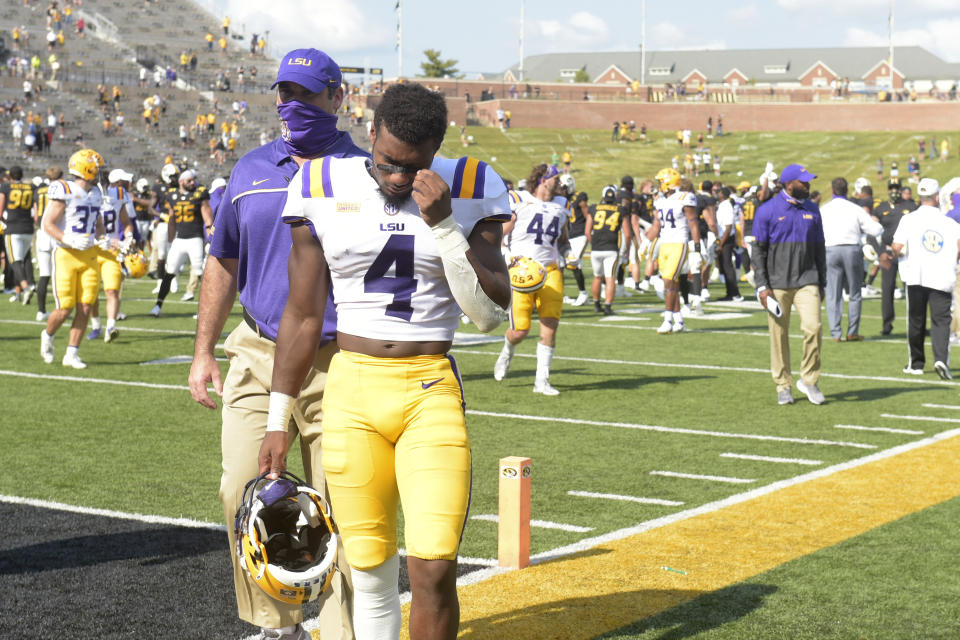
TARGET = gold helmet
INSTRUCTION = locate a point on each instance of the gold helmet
(136, 264)
(668, 179)
(526, 274)
(286, 538)
(85, 164)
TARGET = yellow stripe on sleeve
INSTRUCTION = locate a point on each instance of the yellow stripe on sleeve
(469, 181)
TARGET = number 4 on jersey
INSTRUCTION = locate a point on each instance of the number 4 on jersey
(536, 227)
(399, 251)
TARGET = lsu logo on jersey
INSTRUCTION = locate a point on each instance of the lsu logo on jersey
(391, 226)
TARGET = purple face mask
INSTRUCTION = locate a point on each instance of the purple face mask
(306, 130)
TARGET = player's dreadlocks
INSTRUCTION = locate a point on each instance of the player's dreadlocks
(413, 114)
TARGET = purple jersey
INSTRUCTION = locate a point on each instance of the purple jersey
(248, 228)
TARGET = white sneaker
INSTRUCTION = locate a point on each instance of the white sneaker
(544, 387)
(46, 347)
(678, 327)
(111, 334)
(299, 633)
(666, 327)
(897, 294)
(155, 312)
(502, 365)
(684, 311)
(121, 316)
(28, 295)
(705, 294)
(581, 300)
(42, 317)
(156, 289)
(73, 361)
(644, 286)
(187, 297)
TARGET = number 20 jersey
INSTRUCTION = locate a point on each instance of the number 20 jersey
(82, 207)
(385, 268)
(539, 224)
(673, 221)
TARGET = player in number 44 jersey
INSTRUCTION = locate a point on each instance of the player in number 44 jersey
(408, 240)
(536, 232)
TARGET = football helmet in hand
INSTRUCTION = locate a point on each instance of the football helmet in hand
(286, 538)
(526, 274)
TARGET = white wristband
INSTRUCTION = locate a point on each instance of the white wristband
(281, 407)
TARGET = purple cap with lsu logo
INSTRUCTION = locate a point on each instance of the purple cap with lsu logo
(310, 68)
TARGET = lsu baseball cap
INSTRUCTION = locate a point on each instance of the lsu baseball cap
(119, 174)
(793, 172)
(310, 68)
(928, 187)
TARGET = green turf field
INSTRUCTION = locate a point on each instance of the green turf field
(124, 434)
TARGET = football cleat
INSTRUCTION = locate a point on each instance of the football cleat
(942, 370)
(544, 387)
(666, 327)
(28, 294)
(155, 312)
(111, 334)
(644, 286)
(42, 316)
(914, 372)
(678, 327)
(501, 366)
(94, 334)
(73, 361)
(187, 297)
(526, 274)
(46, 347)
(286, 538)
(581, 299)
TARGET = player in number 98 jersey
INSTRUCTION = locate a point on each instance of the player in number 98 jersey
(537, 231)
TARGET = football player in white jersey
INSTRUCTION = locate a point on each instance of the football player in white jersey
(407, 241)
(676, 228)
(72, 219)
(118, 216)
(536, 231)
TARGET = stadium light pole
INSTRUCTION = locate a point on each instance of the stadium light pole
(399, 40)
(643, 43)
(520, 71)
(890, 44)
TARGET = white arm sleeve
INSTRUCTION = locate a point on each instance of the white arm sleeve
(482, 311)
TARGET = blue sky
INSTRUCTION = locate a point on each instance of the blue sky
(484, 36)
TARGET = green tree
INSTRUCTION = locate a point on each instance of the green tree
(434, 67)
(581, 76)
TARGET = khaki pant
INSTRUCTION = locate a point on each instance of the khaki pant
(807, 302)
(246, 397)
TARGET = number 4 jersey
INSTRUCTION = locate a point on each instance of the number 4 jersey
(386, 271)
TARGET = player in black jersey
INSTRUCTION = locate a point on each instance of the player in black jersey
(748, 209)
(188, 212)
(627, 204)
(576, 235)
(606, 226)
(889, 214)
(16, 203)
(640, 221)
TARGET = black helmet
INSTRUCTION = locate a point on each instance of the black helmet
(626, 182)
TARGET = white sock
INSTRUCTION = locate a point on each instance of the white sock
(508, 347)
(677, 317)
(72, 351)
(544, 358)
(111, 323)
(376, 601)
(95, 323)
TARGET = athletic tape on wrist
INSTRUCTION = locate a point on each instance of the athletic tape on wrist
(281, 408)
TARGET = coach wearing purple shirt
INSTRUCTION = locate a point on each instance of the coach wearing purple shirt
(791, 266)
(248, 253)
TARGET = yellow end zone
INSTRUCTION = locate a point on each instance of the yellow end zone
(617, 583)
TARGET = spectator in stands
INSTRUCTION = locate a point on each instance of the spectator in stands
(222, 43)
(193, 61)
(119, 120)
(81, 25)
(254, 41)
(209, 38)
(226, 25)
(15, 38)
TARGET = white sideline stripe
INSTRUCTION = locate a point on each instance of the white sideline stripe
(614, 496)
(707, 367)
(924, 418)
(109, 513)
(694, 476)
(857, 427)
(124, 383)
(647, 427)
(940, 406)
(744, 456)
(689, 330)
(122, 327)
(542, 524)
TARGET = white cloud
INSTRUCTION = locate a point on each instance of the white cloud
(745, 14)
(668, 36)
(937, 36)
(580, 29)
(331, 25)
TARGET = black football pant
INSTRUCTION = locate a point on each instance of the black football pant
(888, 282)
(730, 277)
(918, 297)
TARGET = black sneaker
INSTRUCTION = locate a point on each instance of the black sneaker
(607, 310)
(597, 307)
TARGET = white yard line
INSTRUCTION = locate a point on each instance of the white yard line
(857, 427)
(744, 456)
(622, 498)
(540, 524)
(695, 476)
(923, 418)
(941, 406)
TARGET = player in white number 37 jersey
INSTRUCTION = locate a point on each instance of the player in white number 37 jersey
(410, 242)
